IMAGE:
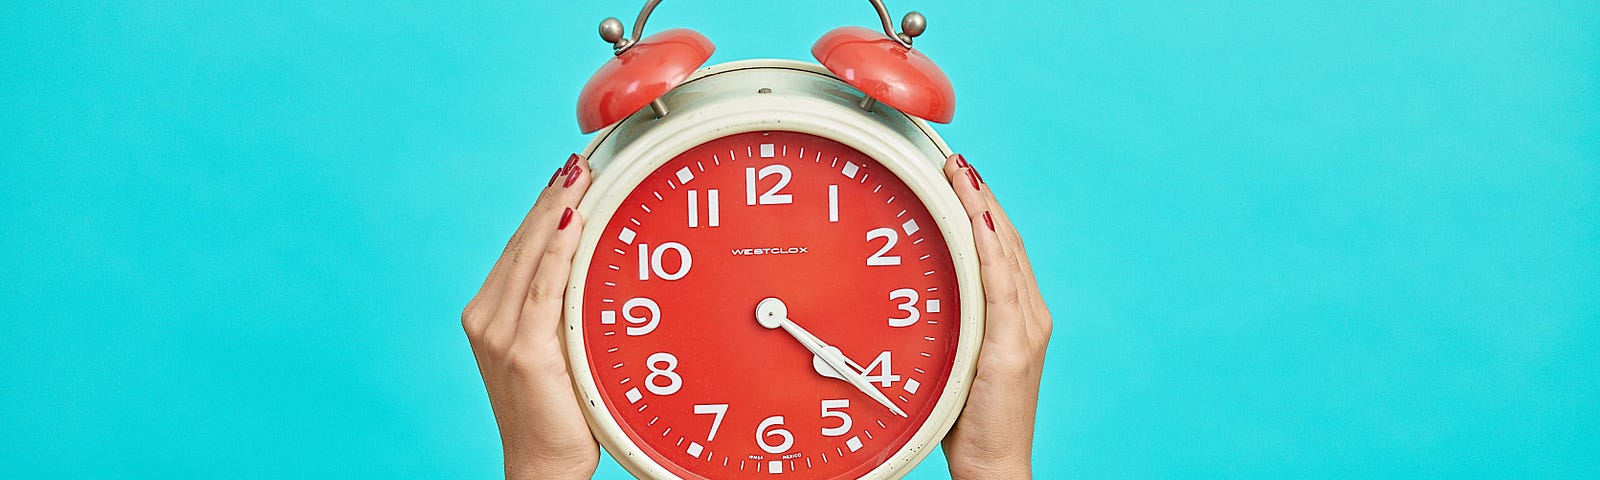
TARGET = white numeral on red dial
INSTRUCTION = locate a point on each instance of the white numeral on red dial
(879, 259)
(718, 409)
(713, 208)
(650, 261)
(674, 382)
(888, 378)
(833, 203)
(910, 306)
(844, 418)
(770, 428)
(646, 324)
(772, 197)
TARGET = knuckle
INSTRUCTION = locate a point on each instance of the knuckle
(544, 292)
(472, 319)
(534, 358)
(1006, 298)
(554, 252)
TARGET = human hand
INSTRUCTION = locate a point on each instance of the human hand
(993, 438)
(513, 324)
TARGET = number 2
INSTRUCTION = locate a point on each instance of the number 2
(772, 197)
(879, 259)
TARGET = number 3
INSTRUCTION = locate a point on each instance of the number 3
(910, 306)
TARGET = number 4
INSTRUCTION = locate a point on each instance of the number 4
(887, 378)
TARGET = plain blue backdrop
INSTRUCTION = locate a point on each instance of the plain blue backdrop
(1279, 239)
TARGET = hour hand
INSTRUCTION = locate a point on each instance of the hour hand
(772, 313)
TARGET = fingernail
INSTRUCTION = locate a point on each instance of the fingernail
(961, 161)
(971, 175)
(976, 174)
(572, 177)
(566, 218)
(571, 160)
(553, 178)
(987, 220)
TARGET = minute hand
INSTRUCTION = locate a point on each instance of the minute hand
(768, 313)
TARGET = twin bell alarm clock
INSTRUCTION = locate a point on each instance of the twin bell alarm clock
(776, 280)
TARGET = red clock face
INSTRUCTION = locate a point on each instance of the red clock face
(771, 303)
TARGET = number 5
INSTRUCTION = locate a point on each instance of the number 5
(844, 418)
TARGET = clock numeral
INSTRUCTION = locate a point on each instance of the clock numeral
(646, 324)
(888, 377)
(674, 382)
(771, 428)
(833, 203)
(879, 259)
(718, 409)
(650, 261)
(713, 208)
(772, 197)
(910, 306)
(844, 418)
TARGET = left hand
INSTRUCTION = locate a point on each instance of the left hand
(514, 325)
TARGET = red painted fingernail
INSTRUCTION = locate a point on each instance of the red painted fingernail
(553, 178)
(987, 220)
(572, 177)
(974, 178)
(571, 160)
(961, 161)
(976, 174)
(566, 218)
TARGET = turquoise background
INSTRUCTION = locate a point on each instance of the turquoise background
(1279, 239)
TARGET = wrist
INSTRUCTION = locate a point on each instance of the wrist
(962, 468)
(544, 464)
(554, 470)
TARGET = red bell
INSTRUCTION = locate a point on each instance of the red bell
(886, 70)
(639, 75)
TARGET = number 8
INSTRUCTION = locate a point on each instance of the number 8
(674, 382)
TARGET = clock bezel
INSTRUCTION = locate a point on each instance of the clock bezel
(773, 95)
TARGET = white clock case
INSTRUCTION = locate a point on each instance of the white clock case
(773, 95)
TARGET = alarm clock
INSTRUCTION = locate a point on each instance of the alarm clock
(776, 280)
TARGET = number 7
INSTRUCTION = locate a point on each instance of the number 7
(718, 409)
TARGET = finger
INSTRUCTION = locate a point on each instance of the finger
(1027, 283)
(541, 308)
(977, 199)
(1008, 230)
(1004, 316)
(524, 259)
(965, 183)
(1017, 258)
(481, 310)
(491, 284)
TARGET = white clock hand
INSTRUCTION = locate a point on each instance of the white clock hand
(823, 369)
(772, 313)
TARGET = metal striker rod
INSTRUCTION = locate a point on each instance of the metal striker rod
(867, 102)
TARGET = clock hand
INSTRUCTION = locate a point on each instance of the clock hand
(772, 313)
(823, 369)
